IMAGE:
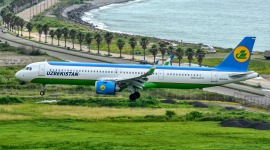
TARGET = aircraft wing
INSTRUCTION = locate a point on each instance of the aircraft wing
(137, 81)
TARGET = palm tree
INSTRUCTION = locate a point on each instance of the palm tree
(3, 13)
(189, 53)
(88, 39)
(58, 33)
(80, 37)
(52, 34)
(29, 27)
(12, 22)
(21, 24)
(39, 29)
(120, 44)
(108, 38)
(65, 32)
(46, 30)
(170, 49)
(73, 34)
(162, 48)
(200, 54)
(7, 20)
(132, 42)
(179, 53)
(154, 51)
(144, 43)
(17, 24)
(98, 39)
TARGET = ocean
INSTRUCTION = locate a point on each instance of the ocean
(217, 23)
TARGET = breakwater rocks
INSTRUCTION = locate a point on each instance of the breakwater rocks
(76, 14)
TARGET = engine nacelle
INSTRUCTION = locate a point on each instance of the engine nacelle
(106, 87)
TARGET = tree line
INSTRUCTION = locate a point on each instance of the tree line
(11, 21)
(98, 37)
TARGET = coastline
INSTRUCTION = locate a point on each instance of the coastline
(75, 12)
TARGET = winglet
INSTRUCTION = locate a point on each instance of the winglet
(156, 63)
(169, 59)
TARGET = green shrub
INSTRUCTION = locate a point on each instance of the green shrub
(193, 115)
(156, 118)
(145, 102)
(10, 100)
(170, 113)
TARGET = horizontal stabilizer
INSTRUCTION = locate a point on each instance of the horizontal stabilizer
(240, 74)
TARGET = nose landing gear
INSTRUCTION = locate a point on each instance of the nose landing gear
(42, 92)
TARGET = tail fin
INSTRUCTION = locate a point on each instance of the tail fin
(239, 58)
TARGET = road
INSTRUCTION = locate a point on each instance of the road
(252, 98)
(77, 55)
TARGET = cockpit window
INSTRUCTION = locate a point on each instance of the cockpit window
(28, 68)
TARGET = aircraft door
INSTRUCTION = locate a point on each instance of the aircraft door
(41, 71)
(161, 74)
(214, 76)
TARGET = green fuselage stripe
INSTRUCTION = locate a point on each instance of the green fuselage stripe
(146, 85)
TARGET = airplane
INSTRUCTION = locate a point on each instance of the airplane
(111, 78)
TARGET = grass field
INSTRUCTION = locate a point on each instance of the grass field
(71, 134)
(41, 111)
(50, 126)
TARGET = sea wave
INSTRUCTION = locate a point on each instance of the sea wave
(90, 16)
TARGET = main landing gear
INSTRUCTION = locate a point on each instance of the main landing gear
(42, 92)
(134, 96)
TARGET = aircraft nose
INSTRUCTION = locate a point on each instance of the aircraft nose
(19, 75)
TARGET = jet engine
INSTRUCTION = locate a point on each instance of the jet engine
(106, 87)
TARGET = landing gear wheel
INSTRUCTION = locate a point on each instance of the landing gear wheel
(132, 97)
(42, 93)
(137, 94)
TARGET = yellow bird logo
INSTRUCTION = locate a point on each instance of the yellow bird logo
(102, 87)
(241, 54)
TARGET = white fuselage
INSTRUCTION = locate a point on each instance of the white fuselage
(47, 73)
